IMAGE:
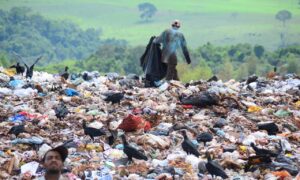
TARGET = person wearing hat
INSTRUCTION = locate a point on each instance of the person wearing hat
(172, 39)
(53, 162)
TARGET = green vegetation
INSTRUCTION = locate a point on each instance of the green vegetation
(32, 35)
(216, 21)
(238, 61)
(230, 39)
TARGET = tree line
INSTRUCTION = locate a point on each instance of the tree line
(63, 43)
(30, 35)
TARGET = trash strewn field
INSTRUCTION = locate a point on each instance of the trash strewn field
(240, 130)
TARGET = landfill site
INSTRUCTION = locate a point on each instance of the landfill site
(115, 128)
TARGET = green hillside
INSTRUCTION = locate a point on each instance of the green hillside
(220, 22)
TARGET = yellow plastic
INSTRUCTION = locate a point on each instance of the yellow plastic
(10, 72)
(297, 104)
(254, 109)
(243, 148)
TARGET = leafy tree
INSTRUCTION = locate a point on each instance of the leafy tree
(242, 72)
(239, 52)
(293, 65)
(31, 35)
(201, 71)
(131, 64)
(226, 71)
(259, 51)
(4, 60)
(147, 10)
(18, 14)
(251, 65)
(283, 16)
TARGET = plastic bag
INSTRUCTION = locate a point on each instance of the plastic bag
(5, 91)
(18, 117)
(282, 113)
(103, 174)
(254, 109)
(16, 84)
(25, 92)
(132, 123)
(71, 92)
(31, 140)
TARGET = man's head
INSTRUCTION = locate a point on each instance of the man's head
(54, 159)
(176, 24)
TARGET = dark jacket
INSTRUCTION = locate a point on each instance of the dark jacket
(151, 62)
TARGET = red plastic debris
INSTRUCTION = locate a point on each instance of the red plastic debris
(32, 116)
(187, 106)
(133, 123)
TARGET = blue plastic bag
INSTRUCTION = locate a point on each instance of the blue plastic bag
(71, 92)
(16, 83)
(18, 117)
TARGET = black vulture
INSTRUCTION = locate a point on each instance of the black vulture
(61, 111)
(188, 146)
(29, 70)
(16, 130)
(114, 97)
(112, 137)
(214, 168)
(263, 152)
(65, 74)
(20, 69)
(256, 161)
(204, 137)
(92, 132)
(131, 152)
(270, 127)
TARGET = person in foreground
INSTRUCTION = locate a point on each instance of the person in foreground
(53, 162)
(172, 39)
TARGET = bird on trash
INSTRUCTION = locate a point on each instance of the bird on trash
(271, 128)
(254, 161)
(65, 74)
(251, 79)
(20, 69)
(114, 97)
(282, 158)
(113, 136)
(86, 76)
(29, 70)
(204, 137)
(263, 152)
(188, 146)
(214, 168)
(92, 132)
(61, 111)
(16, 130)
(132, 152)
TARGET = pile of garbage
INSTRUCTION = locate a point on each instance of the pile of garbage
(200, 130)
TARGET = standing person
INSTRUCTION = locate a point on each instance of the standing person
(172, 40)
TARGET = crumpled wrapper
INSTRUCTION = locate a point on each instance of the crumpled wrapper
(154, 141)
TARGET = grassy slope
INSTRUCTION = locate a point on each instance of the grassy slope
(205, 20)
